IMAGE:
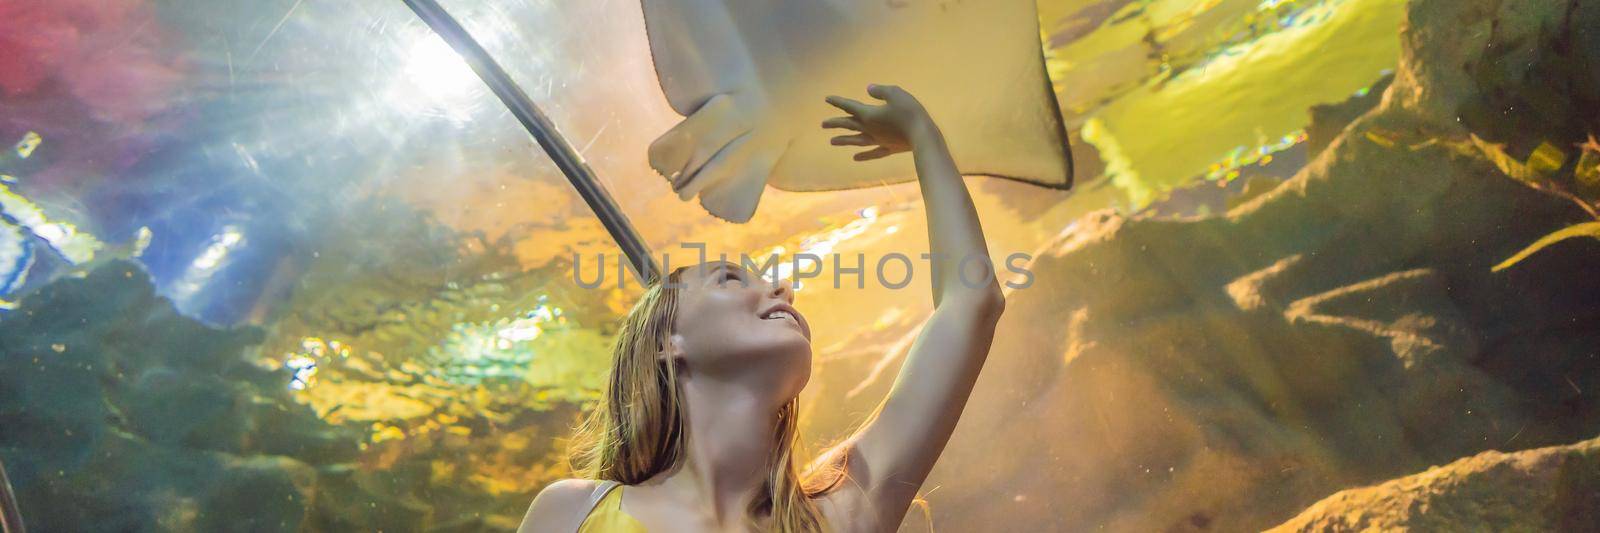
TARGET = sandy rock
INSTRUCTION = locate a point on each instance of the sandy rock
(1547, 489)
(1223, 373)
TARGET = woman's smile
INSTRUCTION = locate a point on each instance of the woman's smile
(787, 313)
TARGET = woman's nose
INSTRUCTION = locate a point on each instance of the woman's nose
(782, 288)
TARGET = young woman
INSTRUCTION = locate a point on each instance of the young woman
(697, 430)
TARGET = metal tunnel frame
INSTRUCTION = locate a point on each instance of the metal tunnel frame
(544, 131)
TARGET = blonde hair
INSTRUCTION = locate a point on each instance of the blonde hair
(640, 427)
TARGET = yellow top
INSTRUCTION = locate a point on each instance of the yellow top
(607, 516)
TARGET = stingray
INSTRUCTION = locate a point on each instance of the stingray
(750, 76)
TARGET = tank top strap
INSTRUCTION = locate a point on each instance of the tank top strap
(600, 491)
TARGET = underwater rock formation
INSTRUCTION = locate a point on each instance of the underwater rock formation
(117, 413)
(1328, 120)
(1223, 373)
(121, 414)
(1548, 489)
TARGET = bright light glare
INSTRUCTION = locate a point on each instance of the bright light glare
(208, 263)
(435, 80)
(437, 70)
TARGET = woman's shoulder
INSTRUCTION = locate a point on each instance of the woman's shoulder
(572, 488)
(561, 506)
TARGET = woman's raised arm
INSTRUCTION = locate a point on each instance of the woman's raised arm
(891, 455)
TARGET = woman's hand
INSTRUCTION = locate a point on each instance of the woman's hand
(894, 452)
(890, 128)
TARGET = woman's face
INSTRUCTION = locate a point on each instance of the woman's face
(734, 325)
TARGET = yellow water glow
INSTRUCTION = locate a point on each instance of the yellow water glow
(1162, 134)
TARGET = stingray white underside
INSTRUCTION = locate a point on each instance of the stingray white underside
(750, 77)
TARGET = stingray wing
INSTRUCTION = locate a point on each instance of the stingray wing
(750, 78)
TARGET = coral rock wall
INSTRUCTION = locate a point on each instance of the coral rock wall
(1223, 373)
(1548, 489)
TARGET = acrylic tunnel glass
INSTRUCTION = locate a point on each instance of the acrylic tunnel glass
(287, 265)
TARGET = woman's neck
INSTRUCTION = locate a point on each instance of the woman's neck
(730, 443)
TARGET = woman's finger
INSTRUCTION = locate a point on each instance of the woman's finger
(848, 123)
(853, 140)
(882, 92)
(849, 106)
(874, 153)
